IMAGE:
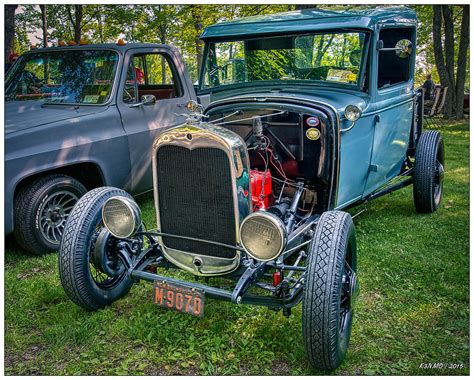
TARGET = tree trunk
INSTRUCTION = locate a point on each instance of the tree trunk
(44, 19)
(438, 46)
(9, 29)
(198, 27)
(77, 23)
(449, 51)
(462, 63)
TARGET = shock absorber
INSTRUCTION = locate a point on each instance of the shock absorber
(291, 213)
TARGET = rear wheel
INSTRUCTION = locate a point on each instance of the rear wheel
(41, 211)
(429, 172)
(92, 274)
(330, 290)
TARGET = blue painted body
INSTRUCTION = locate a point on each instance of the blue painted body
(374, 150)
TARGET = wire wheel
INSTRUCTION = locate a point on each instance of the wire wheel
(53, 214)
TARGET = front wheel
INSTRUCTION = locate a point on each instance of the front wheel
(41, 211)
(330, 290)
(92, 274)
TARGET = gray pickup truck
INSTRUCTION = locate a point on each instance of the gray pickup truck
(79, 117)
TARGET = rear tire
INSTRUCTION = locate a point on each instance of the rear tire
(83, 281)
(41, 210)
(429, 172)
(330, 290)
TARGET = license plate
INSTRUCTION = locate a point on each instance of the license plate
(179, 298)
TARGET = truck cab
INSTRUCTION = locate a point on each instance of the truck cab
(82, 116)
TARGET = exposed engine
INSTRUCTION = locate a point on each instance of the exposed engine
(286, 156)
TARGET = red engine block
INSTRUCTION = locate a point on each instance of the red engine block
(259, 180)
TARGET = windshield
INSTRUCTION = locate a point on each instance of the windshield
(74, 76)
(327, 57)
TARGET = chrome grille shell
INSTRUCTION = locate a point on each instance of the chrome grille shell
(194, 135)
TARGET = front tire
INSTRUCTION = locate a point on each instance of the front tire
(84, 281)
(41, 210)
(428, 177)
(330, 290)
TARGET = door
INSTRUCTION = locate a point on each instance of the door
(161, 73)
(393, 108)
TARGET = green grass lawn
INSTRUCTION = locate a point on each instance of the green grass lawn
(413, 308)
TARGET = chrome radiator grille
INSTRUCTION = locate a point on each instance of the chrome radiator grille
(195, 198)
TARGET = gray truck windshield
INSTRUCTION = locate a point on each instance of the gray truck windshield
(62, 76)
(328, 57)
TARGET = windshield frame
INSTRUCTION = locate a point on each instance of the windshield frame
(113, 92)
(296, 82)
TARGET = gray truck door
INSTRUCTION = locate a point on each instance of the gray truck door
(161, 73)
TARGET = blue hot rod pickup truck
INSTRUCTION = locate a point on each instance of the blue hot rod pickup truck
(302, 115)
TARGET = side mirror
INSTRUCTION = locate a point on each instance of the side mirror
(403, 48)
(146, 100)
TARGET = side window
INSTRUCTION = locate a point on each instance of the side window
(391, 68)
(129, 90)
(151, 74)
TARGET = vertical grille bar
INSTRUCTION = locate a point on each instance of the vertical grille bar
(196, 199)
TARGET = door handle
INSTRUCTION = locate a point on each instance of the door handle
(377, 119)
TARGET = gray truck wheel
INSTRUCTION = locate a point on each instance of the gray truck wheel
(41, 210)
(84, 281)
(429, 172)
(330, 290)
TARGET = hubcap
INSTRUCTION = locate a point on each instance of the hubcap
(53, 214)
(105, 268)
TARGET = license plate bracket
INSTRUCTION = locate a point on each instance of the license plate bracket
(179, 298)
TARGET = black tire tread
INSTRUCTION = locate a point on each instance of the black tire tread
(423, 178)
(326, 260)
(74, 246)
(25, 212)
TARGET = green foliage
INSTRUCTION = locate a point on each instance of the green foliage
(177, 25)
(413, 307)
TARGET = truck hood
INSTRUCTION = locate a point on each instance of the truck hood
(337, 98)
(23, 115)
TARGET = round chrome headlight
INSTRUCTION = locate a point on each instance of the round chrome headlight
(263, 235)
(121, 216)
(352, 113)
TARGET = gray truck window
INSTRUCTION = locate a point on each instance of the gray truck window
(151, 74)
(63, 76)
(129, 90)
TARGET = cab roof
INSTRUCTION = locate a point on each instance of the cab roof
(308, 20)
(112, 46)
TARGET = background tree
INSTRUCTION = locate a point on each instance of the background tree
(452, 71)
(442, 46)
(44, 19)
(9, 29)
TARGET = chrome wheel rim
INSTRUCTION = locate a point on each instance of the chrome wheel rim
(439, 175)
(54, 213)
(349, 293)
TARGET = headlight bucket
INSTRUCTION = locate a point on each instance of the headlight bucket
(121, 216)
(263, 236)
